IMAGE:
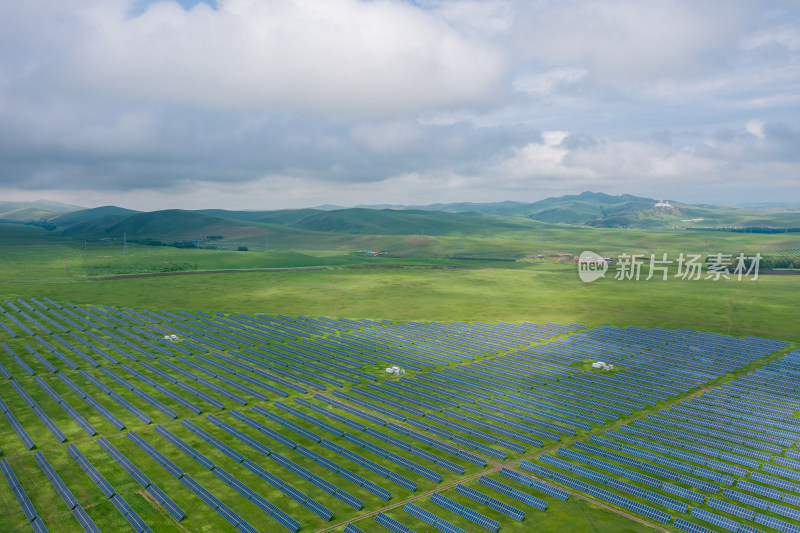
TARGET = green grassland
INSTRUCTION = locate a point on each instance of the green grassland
(411, 286)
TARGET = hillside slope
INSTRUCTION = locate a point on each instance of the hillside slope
(407, 222)
(168, 225)
(74, 217)
(34, 211)
(626, 210)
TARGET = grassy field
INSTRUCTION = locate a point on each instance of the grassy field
(542, 292)
(411, 287)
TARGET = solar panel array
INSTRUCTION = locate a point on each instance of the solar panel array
(465, 512)
(66, 494)
(31, 514)
(483, 391)
(491, 503)
(737, 440)
(391, 524)
(426, 516)
(518, 495)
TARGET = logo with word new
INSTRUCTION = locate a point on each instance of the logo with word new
(591, 266)
(691, 267)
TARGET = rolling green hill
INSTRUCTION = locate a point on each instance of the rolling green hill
(604, 210)
(176, 224)
(281, 216)
(407, 222)
(512, 220)
(74, 217)
(34, 211)
(171, 224)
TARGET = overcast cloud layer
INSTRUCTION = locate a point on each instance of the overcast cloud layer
(289, 103)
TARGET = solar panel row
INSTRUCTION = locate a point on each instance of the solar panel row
(65, 493)
(279, 515)
(465, 512)
(24, 501)
(23, 435)
(474, 459)
(439, 523)
(535, 483)
(469, 430)
(185, 386)
(518, 495)
(238, 369)
(521, 436)
(391, 524)
(214, 503)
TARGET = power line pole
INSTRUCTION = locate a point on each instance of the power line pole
(460, 246)
(124, 243)
(266, 241)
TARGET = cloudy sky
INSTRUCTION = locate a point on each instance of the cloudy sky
(288, 103)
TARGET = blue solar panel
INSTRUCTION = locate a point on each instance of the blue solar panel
(215, 442)
(776, 523)
(156, 455)
(391, 524)
(465, 512)
(318, 509)
(717, 520)
(286, 521)
(537, 469)
(86, 523)
(27, 506)
(56, 480)
(514, 493)
(684, 525)
(166, 502)
(207, 497)
(731, 509)
(555, 461)
(782, 510)
(770, 480)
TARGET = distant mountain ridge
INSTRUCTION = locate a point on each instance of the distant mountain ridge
(475, 219)
(34, 211)
(626, 210)
(176, 224)
(74, 217)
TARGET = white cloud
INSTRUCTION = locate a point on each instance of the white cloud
(784, 36)
(629, 40)
(388, 137)
(337, 57)
(541, 160)
(297, 102)
(549, 82)
(755, 128)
